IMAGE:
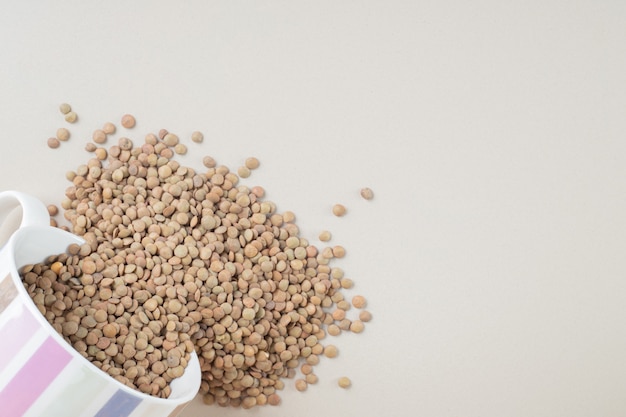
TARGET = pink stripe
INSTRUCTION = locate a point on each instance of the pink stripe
(14, 334)
(33, 379)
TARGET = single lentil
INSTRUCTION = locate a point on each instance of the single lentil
(344, 382)
(325, 236)
(243, 171)
(365, 316)
(71, 117)
(53, 143)
(197, 137)
(252, 163)
(339, 210)
(65, 108)
(358, 301)
(367, 193)
(108, 128)
(128, 121)
(63, 134)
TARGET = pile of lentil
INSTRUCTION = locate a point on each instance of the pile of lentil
(177, 260)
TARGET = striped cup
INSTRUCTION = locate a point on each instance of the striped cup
(40, 373)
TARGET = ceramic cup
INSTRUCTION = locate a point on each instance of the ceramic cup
(40, 373)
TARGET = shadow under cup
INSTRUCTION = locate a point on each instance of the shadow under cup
(40, 373)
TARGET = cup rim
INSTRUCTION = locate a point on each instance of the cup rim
(9, 249)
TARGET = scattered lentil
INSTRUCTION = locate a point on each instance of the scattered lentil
(197, 137)
(358, 301)
(339, 210)
(99, 136)
(344, 382)
(367, 193)
(243, 171)
(63, 134)
(180, 149)
(108, 128)
(301, 385)
(52, 210)
(365, 316)
(252, 163)
(71, 117)
(53, 143)
(65, 108)
(179, 260)
(128, 121)
(330, 351)
(325, 236)
(356, 326)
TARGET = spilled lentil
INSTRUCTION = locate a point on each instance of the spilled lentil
(177, 260)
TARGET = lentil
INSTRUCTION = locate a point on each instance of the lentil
(63, 134)
(65, 108)
(367, 193)
(53, 143)
(252, 163)
(344, 382)
(358, 301)
(128, 121)
(325, 236)
(197, 137)
(339, 210)
(365, 316)
(243, 171)
(71, 117)
(108, 128)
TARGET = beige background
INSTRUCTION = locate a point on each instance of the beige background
(493, 134)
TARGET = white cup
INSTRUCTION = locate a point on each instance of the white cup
(40, 373)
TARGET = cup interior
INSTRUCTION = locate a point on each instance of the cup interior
(32, 244)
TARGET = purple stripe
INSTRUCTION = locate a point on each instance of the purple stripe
(14, 334)
(34, 377)
(121, 404)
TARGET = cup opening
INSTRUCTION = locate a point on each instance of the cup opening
(32, 244)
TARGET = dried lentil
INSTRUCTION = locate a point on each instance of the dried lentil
(65, 108)
(252, 163)
(197, 137)
(63, 134)
(358, 301)
(128, 121)
(71, 117)
(344, 382)
(221, 262)
(339, 210)
(53, 143)
(367, 193)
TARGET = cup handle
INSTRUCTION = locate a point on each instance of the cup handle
(34, 212)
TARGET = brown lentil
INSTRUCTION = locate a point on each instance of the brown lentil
(71, 117)
(63, 134)
(128, 121)
(365, 316)
(99, 136)
(339, 210)
(197, 137)
(344, 382)
(358, 301)
(301, 385)
(53, 143)
(367, 193)
(65, 108)
(325, 236)
(252, 163)
(108, 128)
